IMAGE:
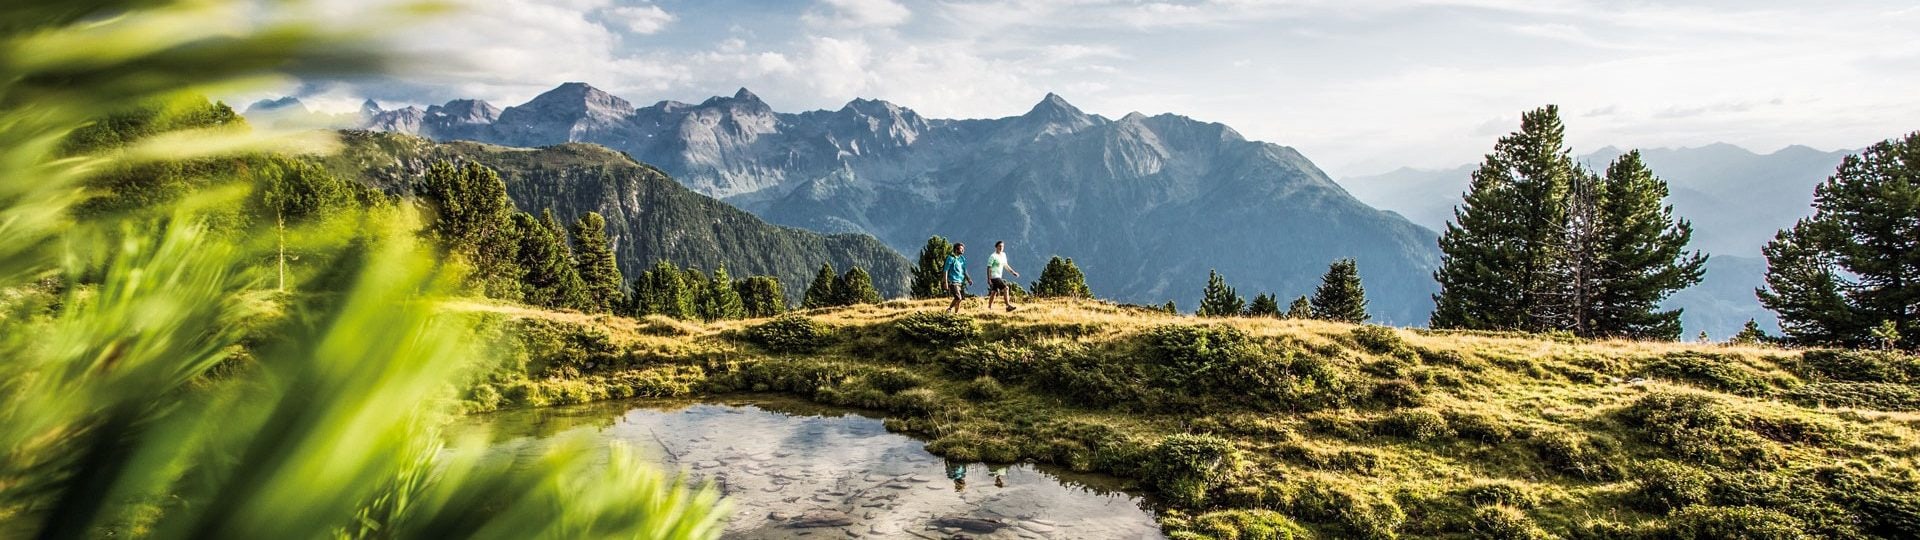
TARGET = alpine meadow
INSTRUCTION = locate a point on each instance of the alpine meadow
(370, 304)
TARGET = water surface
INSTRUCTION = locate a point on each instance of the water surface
(797, 470)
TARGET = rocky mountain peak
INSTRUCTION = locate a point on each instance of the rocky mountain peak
(1053, 115)
(369, 108)
(466, 111)
(580, 99)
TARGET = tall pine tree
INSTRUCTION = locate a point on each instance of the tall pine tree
(1340, 296)
(1219, 300)
(1500, 253)
(662, 290)
(1301, 308)
(472, 219)
(719, 300)
(593, 257)
(1640, 257)
(1853, 266)
(929, 281)
(1061, 279)
(1264, 305)
(761, 296)
(823, 292)
(856, 287)
(549, 278)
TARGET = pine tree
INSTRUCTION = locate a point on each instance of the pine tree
(855, 288)
(1301, 308)
(1061, 279)
(929, 280)
(1219, 300)
(1835, 277)
(1264, 305)
(1507, 238)
(1641, 257)
(593, 259)
(1340, 296)
(661, 290)
(549, 279)
(823, 292)
(719, 300)
(761, 296)
(1751, 334)
(696, 283)
(1170, 308)
(472, 220)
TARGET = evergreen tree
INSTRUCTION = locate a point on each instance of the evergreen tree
(1837, 276)
(1170, 308)
(1301, 308)
(1061, 279)
(1500, 253)
(1340, 296)
(1751, 334)
(696, 283)
(1264, 305)
(719, 300)
(1219, 300)
(929, 281)
(662, 290)
(855, 288)
(1640, 257)
(761, 296)
(293, 192)
(549, 278)
(823, 292)
(593, 259)
(472, 219)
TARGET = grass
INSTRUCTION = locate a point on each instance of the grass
(1255, 428)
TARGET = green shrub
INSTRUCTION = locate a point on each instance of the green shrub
(922, 402)
(556, 349)
(789, 333)
(1197, 353)
(1886, 499)
(997, 359)
(1498, 493)
(1689, 425)
(1663, 486)
(983, 388)
(1382, 340)
(1711, 370)
(937, 328)
(1248, 525)
(1504, 523)
(1861, 366)
(1573, 454)
(1184, 467)
(1867, 395)
(893, 380)
(1743, 522)
(1398, 393)
(1361, 514)
(1419, 425)
(1477, 426)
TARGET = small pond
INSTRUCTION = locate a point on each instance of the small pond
(797, 470)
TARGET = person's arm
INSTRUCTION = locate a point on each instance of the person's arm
(1009, 267)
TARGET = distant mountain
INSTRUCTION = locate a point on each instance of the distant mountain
(1146, 205)
(650, 217)
(1735, 198)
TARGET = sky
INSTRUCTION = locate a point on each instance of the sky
(1358, 86)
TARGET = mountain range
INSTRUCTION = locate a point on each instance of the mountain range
(1735, 198)
(1146, 205)
(650, 217)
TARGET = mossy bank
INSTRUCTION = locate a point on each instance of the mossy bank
(1271, 428)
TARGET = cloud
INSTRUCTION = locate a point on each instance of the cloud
(857, 14)
(645, 19)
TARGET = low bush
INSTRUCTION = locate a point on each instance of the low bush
(1743, 522)
(1184, 467)
(1868, 395)
(1247, 525)
(1663, 487)
(1504, 523)
(983, 388)
(1081, 375)
(1419, 425)
(1360, 514)
(997, 359)
(1861, 366)
(1398, 393)
(1713, 371)
(555, 349)
(789, 333)
(1197, 353)
(1691, 426)
(1378, 339)
(937, 328)
(1478, 426)
(1498, 493)
(893, 380)
(1574, 454)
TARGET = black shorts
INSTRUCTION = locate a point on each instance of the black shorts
(995, 285)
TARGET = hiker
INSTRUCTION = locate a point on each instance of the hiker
(997, 264)
(957, 279)
(957, 472)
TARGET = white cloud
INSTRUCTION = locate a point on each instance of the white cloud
(645, 19)
(858, 14)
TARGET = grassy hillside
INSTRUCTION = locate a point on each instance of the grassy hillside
(1263, 428)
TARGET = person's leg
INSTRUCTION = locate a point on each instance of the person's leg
(957, 295)
(990, 292)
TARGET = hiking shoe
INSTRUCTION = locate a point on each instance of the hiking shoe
(1011, 308)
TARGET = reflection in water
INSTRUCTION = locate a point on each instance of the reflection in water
(794, 470)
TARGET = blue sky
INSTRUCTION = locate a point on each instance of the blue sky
(1359, 86)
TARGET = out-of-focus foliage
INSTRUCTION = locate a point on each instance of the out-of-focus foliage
(152, 384)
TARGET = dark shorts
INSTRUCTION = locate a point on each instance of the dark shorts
(995, 285)
(957, 289)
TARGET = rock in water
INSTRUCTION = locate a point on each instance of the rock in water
(970, 524)
(820, 517)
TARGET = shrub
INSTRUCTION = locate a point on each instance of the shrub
(1477, 426)
(1744, 522)
(1382, 340)
(1711, 370)
(1860, 366)
(1398, 393)
(1002, 360)
(937, 328)
(1078, 374)
(983, 388)
(892, 380)
(1876, 396)
(1197, 352)
(1796, 429)
(1362, 514)
(1664, 487)
(1692, 426)
(1248, 525)
(1183, 467)
(1419, 425)
(922, 402)
(1498, 493)
(1504, 523)
(1573, 454)
(789, 333)
(562, 349)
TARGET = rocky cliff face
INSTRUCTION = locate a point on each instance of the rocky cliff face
(1146, 205)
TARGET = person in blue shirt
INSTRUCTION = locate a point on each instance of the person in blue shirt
(957, 280)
